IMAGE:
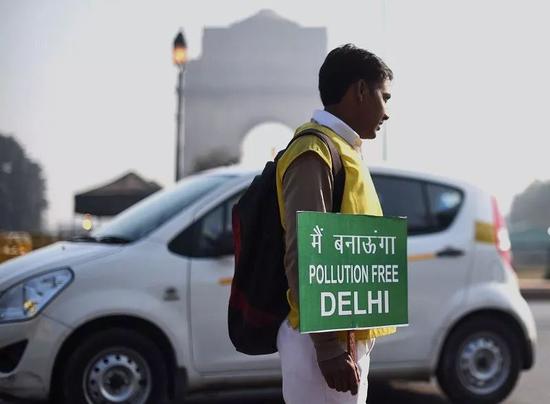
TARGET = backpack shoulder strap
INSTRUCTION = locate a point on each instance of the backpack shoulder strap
(338, 171)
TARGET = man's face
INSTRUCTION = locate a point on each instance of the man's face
(372, 107)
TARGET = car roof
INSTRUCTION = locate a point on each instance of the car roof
(418, 174)
(379, 169)
(235, 170)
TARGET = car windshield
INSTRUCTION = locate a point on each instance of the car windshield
(155, 210)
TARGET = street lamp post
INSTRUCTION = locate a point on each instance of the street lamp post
(179, 56)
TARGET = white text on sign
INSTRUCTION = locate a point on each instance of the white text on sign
(339, 274)
(344, 303)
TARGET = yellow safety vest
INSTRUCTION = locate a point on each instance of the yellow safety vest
(359, 196)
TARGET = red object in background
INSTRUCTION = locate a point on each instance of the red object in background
(502, 238)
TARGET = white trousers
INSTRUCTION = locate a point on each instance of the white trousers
(303, 382)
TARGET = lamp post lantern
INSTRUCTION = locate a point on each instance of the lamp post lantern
(179, 57)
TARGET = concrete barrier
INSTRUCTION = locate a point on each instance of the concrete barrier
(535, 289)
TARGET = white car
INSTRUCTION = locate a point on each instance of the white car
(138, 311)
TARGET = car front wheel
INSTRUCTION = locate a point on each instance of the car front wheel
(480, 362)
(115, 366)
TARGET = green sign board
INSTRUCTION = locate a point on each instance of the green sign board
(352, 271)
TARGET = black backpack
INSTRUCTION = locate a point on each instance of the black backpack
(258, 304)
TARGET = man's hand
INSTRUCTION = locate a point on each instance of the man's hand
(341, 373)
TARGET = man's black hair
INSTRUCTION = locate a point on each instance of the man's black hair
(344, 66)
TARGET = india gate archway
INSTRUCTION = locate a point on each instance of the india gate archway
(263, 142)
(262, 69)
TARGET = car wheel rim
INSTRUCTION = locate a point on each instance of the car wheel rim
(483, 363)
(117, 375)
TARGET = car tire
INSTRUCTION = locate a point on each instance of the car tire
(115, 365)
(480, 362)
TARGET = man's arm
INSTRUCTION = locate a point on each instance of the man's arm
(307, 186)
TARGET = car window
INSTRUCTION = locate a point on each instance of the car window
(404, 197)
(445, 203)
(155, 210)
(429, 207)
(209, 236)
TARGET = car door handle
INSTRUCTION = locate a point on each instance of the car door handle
(171, 294)
(450, 252)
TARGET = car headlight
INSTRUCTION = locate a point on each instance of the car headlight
(26, 299)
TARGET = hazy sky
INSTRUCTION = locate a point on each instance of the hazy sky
(88, 87)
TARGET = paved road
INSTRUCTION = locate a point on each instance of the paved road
(531, 389)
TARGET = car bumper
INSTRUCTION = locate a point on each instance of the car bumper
(529, 359)
(530, 328)
(27, 373)
(519, 308)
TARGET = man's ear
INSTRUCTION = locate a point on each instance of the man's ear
(362, 90)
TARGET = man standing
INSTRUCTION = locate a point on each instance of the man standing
(354, 85)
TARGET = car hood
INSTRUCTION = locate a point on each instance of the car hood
(58, 255)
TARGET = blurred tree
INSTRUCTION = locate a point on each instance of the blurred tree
(22, 188)
(213, 159)
(530, 209)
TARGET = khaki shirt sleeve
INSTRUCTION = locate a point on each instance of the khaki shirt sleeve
(307, 185)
